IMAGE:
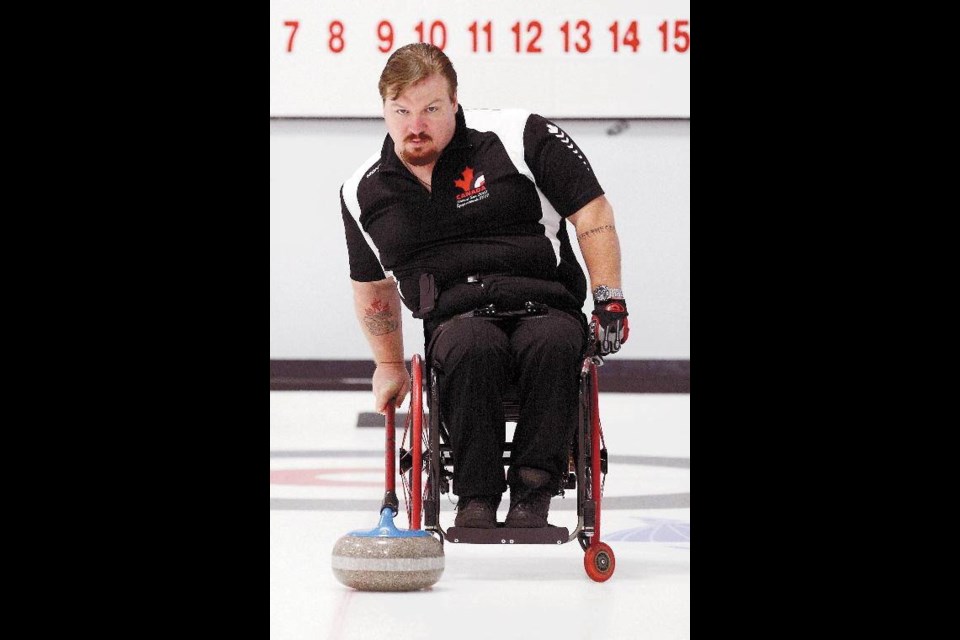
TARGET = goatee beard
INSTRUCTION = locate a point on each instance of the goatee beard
(419, 160)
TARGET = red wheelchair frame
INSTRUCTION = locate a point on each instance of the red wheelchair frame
(423, 488)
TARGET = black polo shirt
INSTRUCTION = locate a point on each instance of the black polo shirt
(501, 192)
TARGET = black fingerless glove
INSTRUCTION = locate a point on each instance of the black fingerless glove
(610, 325)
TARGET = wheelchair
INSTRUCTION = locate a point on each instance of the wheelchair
(426, 467)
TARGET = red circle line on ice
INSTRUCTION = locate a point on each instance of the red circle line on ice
(315, 477)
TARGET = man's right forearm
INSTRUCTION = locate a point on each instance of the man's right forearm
(377, 306)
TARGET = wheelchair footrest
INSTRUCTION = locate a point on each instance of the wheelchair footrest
(503, 535)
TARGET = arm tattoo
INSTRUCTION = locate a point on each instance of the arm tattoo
(593, 232)
(379, 320)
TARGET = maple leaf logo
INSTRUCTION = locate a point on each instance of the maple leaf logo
(467, 182)
(376, 308)
(379, 321)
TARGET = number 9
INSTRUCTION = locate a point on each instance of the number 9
(387, 38)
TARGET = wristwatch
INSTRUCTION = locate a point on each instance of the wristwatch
(603, 293)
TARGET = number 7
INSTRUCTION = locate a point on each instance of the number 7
(295, 24)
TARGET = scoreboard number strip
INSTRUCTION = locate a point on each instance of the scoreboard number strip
(563, 58)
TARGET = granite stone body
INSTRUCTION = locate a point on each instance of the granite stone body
(388, 563)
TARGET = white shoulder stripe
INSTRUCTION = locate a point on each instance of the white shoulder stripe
(350, 198)
(509, 124)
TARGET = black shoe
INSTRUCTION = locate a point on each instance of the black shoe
(529, 500)
(477, 512)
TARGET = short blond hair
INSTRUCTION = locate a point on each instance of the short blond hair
(412, 63)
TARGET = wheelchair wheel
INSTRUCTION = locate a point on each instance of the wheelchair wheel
(599, 562)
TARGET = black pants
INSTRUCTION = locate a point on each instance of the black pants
(476, 358)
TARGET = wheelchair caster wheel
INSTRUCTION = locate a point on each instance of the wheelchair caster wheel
(599, 562)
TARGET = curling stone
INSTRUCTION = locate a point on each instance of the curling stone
(388, 559)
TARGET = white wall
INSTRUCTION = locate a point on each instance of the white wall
(644, 169)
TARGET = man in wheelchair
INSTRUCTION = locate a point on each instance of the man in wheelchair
(461, 216)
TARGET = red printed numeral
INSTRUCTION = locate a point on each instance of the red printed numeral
(438, 33)
(630, 37)
(583, 44)
(680, 36)
(336, 42)
(487, 29)
(386, 39)
(296, 25)
(532, 26)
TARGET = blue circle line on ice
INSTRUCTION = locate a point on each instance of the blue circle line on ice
(653, 530)
(653, 501)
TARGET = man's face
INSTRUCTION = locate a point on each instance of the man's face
(421, 120)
